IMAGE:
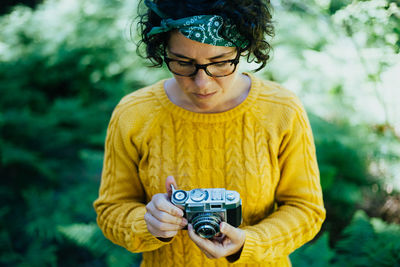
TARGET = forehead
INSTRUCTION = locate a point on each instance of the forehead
(178, 43)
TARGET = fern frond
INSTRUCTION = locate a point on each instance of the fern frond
(369, 242)
(90, 237)
(317, 254)
(79, 233)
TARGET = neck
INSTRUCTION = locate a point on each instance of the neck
(237, 94)
(242, 88)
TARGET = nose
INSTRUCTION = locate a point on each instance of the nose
(202, 80)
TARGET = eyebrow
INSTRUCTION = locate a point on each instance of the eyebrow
(211, 58)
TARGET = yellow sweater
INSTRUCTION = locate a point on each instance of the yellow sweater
(263, 149)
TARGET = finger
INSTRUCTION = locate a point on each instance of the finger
(155, 232)
(160, 226)
(236, 235)
(168, 218)
(164, 216)
(162, 203)
(170, 180)
(208, 255)
(205, 245)
(219, 238)
(226, 242)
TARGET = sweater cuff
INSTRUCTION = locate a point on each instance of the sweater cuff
(249, 247)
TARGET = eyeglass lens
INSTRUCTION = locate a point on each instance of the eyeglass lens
(187, 68)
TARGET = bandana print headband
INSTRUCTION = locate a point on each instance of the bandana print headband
(203, 28)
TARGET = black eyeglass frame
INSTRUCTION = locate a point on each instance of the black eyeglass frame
(234, 61)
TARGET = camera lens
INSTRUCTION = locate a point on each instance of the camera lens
(206, 231)
(206, 224)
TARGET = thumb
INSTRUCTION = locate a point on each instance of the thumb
(170, 180)
(234, 234)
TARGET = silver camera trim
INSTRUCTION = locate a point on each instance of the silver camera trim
(211, 200)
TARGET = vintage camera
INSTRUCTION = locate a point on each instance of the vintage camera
(205, 209)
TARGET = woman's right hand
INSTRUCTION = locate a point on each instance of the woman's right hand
(163, 218)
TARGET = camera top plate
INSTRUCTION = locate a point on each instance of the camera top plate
(198, 195)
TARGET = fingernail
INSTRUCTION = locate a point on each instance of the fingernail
(184, 222)
(190, 227)
(222, 227)
(179, 212)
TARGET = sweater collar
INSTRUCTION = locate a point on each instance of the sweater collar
(161, 95)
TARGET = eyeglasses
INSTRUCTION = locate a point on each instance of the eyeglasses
(214, 69)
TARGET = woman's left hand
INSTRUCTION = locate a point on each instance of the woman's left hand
(229, 243)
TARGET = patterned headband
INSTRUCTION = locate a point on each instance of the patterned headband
(203, 28)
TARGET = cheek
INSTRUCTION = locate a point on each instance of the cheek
(182, 82)
(226, 83)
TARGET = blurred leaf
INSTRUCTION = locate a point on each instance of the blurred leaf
(368, 242)
(313, 254)
(90, 237)
(328, 174)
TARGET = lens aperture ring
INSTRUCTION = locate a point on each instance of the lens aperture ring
(206, 224)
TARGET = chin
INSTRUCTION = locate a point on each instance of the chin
(204, 108)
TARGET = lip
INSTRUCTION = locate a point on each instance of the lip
(204, 96)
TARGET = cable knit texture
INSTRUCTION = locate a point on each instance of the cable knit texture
(262, 148)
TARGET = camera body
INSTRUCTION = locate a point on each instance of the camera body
(205, 209)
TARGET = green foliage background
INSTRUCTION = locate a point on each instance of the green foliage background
(65, 64)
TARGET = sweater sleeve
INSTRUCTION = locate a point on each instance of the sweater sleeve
(120, 206)
(300, 211)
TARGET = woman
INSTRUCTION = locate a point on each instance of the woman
(209, 126)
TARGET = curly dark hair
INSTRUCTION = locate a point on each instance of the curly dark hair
(252, 18)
